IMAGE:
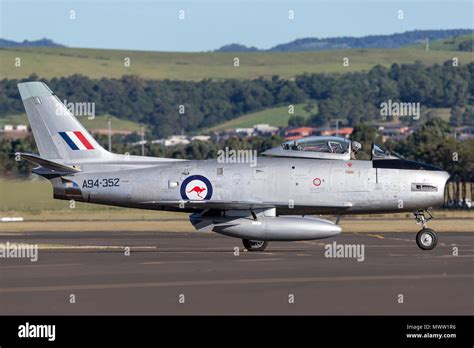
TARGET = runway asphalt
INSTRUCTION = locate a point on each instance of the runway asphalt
(199, 273)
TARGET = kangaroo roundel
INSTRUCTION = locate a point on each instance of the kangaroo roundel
(196, 188)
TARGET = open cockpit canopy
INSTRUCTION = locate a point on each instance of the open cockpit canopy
(326, 147)
(313, 147)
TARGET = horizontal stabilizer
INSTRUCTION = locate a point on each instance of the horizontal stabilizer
(53, 166)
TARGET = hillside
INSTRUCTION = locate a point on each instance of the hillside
(99, 123)
(277, 117)
(35, 43)
(56, 62)
(396, 40)
(450, 44)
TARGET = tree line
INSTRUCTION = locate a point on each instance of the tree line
(173, 107)
(431, 143)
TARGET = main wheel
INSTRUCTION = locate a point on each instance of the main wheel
(426, 239)
(254, 245)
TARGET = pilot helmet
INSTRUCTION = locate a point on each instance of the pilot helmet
(356, 146)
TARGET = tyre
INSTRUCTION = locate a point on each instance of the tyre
(426, 239)
(254, 245)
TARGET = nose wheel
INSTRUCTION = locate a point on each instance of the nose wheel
(426, 239)
(254, 245)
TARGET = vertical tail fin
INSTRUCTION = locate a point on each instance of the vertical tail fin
(58, 134)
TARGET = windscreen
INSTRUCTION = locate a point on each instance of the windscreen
(326, 145)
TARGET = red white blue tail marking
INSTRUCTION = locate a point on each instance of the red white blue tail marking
(76, 140)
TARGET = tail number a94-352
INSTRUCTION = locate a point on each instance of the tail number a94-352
(106, 182)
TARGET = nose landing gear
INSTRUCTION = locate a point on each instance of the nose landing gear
(426, 238)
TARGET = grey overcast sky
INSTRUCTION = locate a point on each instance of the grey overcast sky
(209, 24)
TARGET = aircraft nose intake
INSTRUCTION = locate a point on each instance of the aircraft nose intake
(446, 175)
(443, 178)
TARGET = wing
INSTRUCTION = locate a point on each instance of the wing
(243, 205)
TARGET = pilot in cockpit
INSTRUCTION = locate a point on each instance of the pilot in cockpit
(355, 148)
(296, 146)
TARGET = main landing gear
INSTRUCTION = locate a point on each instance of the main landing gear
(254, 245)
(426, 239)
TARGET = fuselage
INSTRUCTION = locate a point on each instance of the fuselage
(292, 185)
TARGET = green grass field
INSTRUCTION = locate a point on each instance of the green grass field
(449, 44)
(13, 120)
(98, 122)
(277, 117)
(33, 195)
(95, 63)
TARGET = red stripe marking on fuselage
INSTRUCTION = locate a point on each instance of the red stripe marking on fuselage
(83, 140)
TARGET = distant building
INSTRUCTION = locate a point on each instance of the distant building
(298, 133)
(15, 132)
(245, 131)
(141, 142)
(258, 129)
(201, 138)
(394, 132)
(265, 129)
(172, 140)
(344, 132)
(464, 133)
(301, 132)
(180, 140)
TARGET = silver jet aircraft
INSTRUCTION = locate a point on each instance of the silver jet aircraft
(274, 200)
